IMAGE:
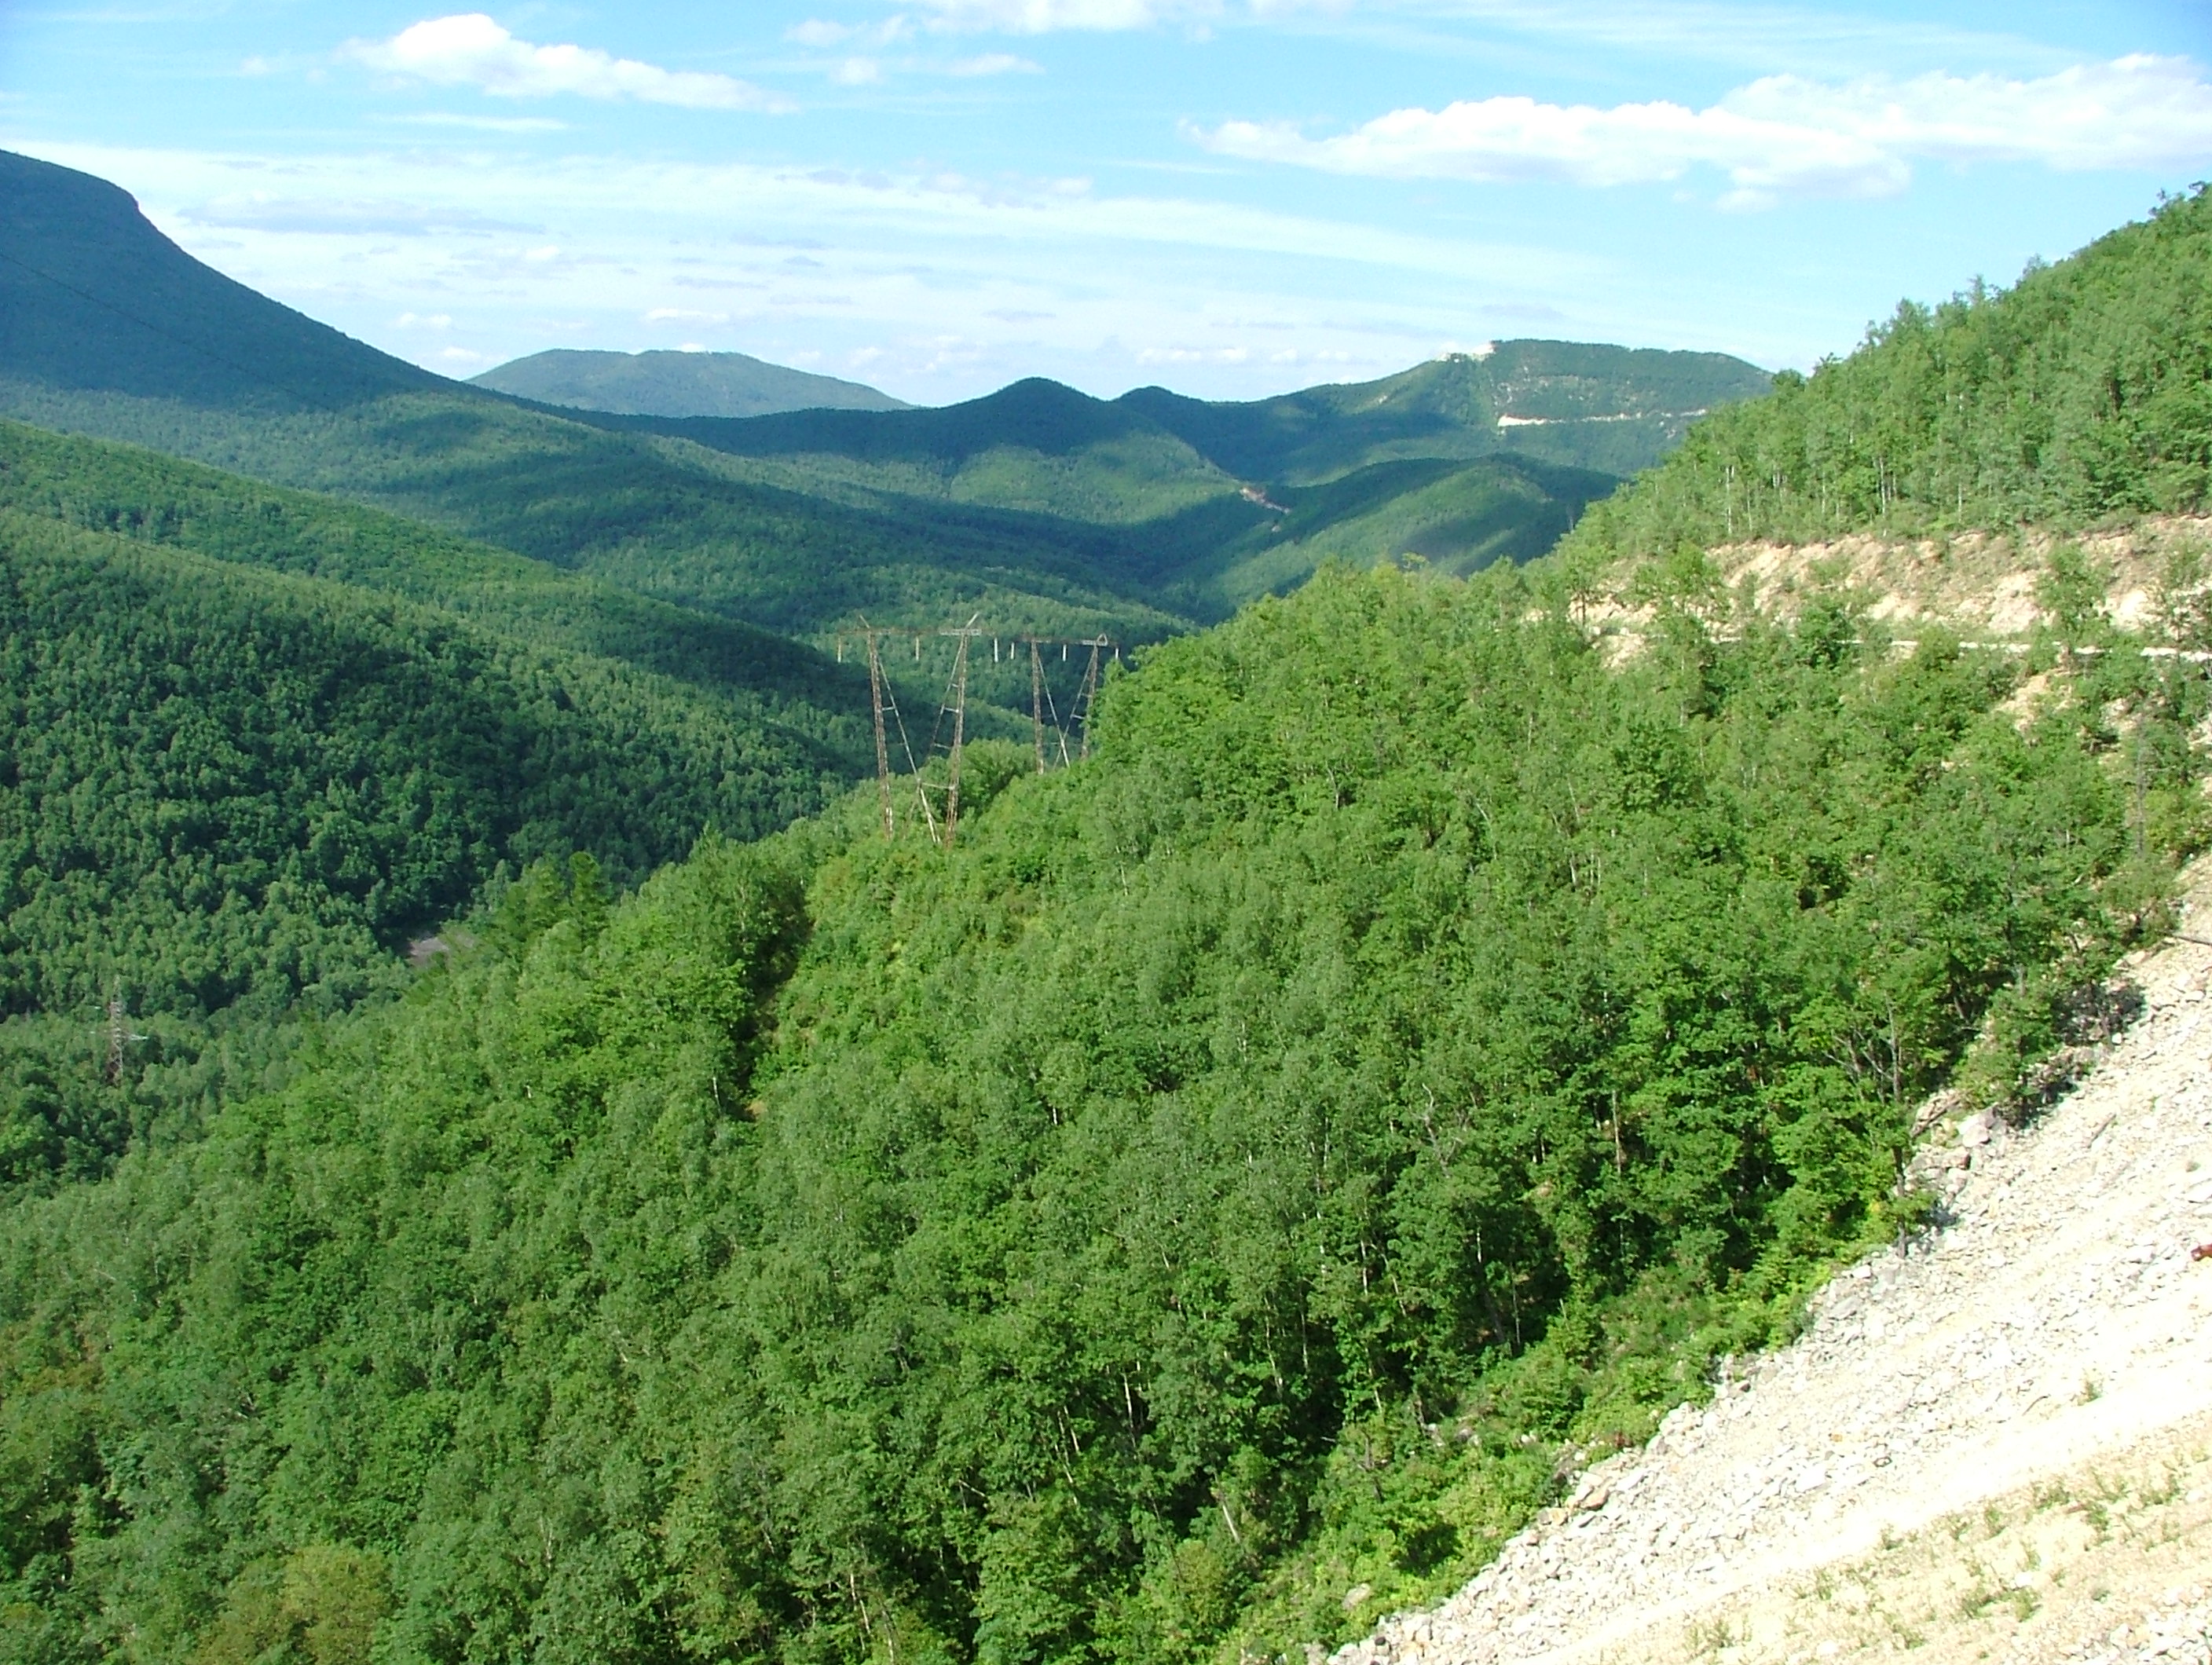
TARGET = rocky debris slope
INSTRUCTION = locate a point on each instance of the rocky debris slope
(2178, 1633)
(2104, 1565)
(2055, 1318)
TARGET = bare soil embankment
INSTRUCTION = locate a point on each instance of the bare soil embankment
(1982, 584)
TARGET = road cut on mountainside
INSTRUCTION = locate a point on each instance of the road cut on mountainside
(1993, 1441)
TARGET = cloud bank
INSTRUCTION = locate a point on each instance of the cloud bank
(1780, 137)
(343, 216)
(994, 64)
(468, 49)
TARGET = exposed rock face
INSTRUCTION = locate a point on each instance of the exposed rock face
(2038, 1368)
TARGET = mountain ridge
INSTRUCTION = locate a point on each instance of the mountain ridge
(664, 382)
(1454, 406)
(1065, 513)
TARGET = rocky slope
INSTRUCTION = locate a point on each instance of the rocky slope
(1994, 1441)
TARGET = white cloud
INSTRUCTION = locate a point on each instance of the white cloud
(821, 33)
(1781, 136)
(858, 72)
(994, 64)
(1772, 36)
(468, 49)
(2136, 112)
(1151, 355)
(342, 216)
(1043, 16)
(479, 124)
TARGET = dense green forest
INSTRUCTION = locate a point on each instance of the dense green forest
(232, 794)
(1457, 518)
(135, 493)
(1245, 1168)
(662, 517)
(2077, 394)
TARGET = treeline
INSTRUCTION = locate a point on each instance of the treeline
(1404, 1053)
(2075, 395)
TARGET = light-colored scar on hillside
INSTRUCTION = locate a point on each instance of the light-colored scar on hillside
(1986, 583)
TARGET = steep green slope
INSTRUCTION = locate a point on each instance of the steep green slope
(674, 384)
(1235, 1176)
(233, 794)
(2077, 394)
(83, 306)
(105, 487)
(1457, 518)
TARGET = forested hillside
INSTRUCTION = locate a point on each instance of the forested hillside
(235, 779)
(1213, 1200)
(1608, 409)
(1457, 518)
(125, 489)
(1235, 1177)
(2077, 394)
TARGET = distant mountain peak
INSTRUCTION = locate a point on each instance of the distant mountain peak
(672, 382)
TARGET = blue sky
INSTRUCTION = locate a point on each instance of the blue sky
(1227, 197)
